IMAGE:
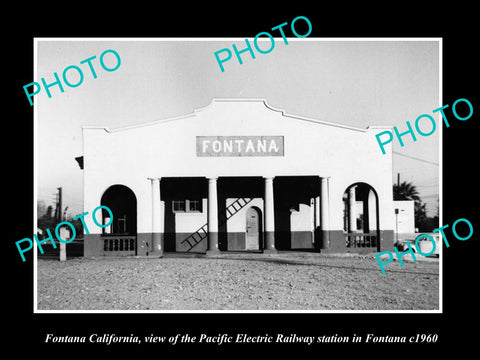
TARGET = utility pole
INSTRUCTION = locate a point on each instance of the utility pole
(61, 217)
(398, 179)
(60, 210)
(55, 214)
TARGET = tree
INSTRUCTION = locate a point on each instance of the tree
(405, 191)
(421, 219)
(49, 210)
(44, 216)
(41, 207)
(47, 219)
(77, 224)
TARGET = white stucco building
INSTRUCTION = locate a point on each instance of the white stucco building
(237, 175)
(404, 219)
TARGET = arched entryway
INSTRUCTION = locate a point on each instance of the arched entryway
(120, 238)
(253, 229)
(361, 217)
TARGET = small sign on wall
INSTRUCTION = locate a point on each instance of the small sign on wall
(208, 146)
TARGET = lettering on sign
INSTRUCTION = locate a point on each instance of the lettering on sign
(208, 146)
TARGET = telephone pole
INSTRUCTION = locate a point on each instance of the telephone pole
(63, 246)
(60, 210)
(55, 213)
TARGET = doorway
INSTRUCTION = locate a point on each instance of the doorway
(253, 229)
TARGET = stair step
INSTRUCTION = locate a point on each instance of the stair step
(197, 239)
(230, 210)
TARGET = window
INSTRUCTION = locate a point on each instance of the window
(178, 205)
(195, 205)
(122, 224)
(117, 226)
(187, 205)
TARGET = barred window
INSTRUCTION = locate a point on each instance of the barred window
(178, 205)
(195, 205)
(187, 205)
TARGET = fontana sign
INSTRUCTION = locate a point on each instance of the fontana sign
(208, 146)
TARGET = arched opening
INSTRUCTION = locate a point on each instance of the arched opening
(361, 217)
(253, 229)
(121, 236)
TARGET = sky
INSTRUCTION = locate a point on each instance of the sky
(353, 82)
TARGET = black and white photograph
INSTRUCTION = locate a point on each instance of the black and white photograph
(230, 190)
(235, 180)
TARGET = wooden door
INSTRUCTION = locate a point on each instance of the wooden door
(253, 229)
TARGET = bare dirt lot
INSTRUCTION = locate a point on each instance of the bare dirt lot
(284, 281)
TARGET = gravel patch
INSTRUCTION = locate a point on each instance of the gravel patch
(285, 281)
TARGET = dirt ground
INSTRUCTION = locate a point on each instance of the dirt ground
(284, 281)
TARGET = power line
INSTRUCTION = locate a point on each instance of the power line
(415, 158)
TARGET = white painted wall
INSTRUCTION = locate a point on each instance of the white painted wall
(129, 156)
(406, 216)
(302, 220)
(188, 222)
(237, 223)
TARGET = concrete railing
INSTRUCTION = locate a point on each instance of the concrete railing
(365, 240)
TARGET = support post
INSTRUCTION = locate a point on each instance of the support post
(157, 219)
(212, 217)
(352, 213)
(325, 213)
(269, 217)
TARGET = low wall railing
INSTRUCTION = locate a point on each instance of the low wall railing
(119, 243)
(361, 240)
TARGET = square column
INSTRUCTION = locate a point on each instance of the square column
(316, 211)
(212, 217)
(317, 236)
(325, 213)
(269, 216)
(352, 211)
(157, 219)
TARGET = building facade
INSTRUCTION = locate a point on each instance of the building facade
(237, 175)
(404, 220)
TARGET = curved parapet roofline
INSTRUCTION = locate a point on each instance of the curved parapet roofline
(235, 100)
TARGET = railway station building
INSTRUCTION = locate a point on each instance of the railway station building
(236, 175)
